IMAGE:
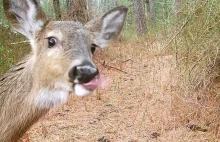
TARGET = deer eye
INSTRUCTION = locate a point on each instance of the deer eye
(51, 41)
(93, 47)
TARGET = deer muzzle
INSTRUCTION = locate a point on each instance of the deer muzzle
(85, 78)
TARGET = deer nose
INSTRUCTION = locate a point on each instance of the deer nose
(83, 73)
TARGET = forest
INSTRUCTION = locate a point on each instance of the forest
(163, 74)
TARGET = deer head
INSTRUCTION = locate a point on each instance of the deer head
(61, 59)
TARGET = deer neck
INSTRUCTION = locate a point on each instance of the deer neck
(17, 112)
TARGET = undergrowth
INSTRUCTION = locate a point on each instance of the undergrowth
(13, 47)
(194, 40)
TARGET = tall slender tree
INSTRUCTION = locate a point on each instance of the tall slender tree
(140, 17)
(152, 10)
(57, 10)
(90, 8)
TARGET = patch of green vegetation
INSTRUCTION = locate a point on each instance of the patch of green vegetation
(12, 48)
(5, 59)
(129, 107)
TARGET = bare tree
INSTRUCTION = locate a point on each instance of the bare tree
(177, 6)
(152, 10)
(78, 10)
(57, 10)
(140, 17)
(105, 5)
(114, 3)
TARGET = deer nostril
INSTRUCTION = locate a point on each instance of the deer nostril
(83, 74)
(72, 73)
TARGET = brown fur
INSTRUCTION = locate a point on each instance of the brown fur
(40, 81)
(17, 113)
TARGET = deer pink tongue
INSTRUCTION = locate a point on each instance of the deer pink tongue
(93, 84)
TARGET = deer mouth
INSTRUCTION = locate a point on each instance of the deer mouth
(84, 89)
(93, 84)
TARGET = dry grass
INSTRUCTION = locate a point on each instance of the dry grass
(162, 88)
(141, 104)
(195, 42)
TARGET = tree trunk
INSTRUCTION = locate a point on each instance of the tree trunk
(57, 10)
(78, 10)
(90, 8)
(152, 10)
(140, 18)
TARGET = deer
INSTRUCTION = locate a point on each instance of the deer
(59, 64)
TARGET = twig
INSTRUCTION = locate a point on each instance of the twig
(126, 60)
(106, 65)
(116, 69)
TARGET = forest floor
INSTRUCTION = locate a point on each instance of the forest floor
(142, 103)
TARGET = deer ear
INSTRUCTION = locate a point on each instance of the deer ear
(25, 16)
(108, 26)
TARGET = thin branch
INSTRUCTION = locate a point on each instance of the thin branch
(116, 69)
(126, 60)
